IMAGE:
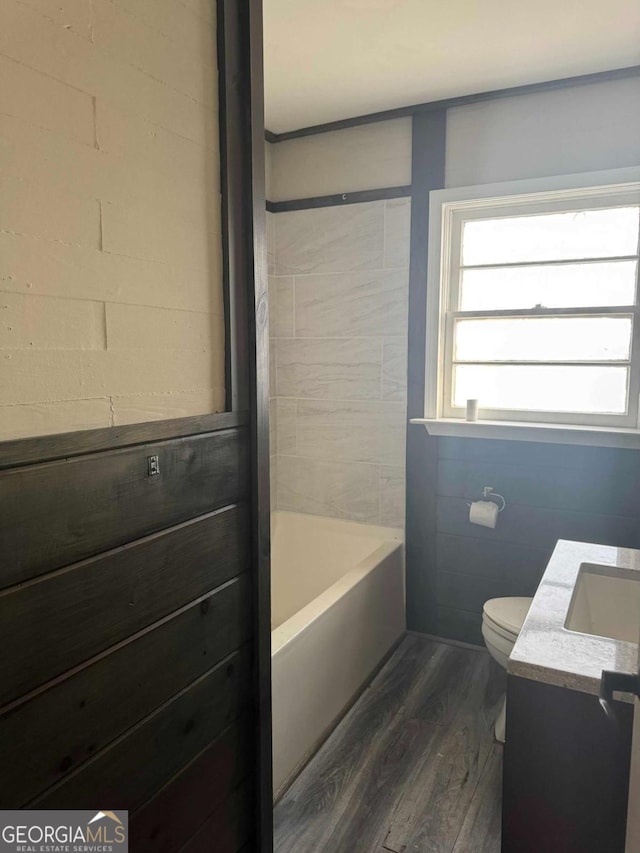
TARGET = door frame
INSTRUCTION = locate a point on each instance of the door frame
(244, 237)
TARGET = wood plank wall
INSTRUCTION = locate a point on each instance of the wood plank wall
(552, 491)
(126, 628)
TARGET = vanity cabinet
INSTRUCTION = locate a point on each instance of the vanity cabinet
(566, 770)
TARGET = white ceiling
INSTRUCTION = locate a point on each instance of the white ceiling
(333, 59)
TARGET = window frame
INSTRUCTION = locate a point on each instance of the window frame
(449, 209)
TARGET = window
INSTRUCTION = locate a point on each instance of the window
(533, 301)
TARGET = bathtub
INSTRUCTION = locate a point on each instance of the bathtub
(337, 592)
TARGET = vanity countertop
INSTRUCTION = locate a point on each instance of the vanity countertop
(548, 652)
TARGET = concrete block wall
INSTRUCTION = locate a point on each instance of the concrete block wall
(111, 306)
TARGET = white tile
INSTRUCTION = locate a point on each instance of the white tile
(272, 368)
(330, 239)
(273, 425)
(356, 432)
(394, 369)
(338, 369)
(271, 243)
(281, 306)
(352, 304)
(397, 232)
(286, 425)
(392, 496)
(337, 489)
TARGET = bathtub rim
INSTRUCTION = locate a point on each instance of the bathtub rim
(298, 622)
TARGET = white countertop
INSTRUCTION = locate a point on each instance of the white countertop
(545, 650)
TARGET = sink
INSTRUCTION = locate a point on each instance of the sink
(605, 603)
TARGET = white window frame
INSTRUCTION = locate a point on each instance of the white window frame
(448, 210)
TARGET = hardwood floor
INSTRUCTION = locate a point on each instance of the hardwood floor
(412, 768)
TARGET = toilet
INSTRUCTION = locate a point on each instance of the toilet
(502, 619)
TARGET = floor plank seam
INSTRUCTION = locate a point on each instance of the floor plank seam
(475, 791)
(381, 772)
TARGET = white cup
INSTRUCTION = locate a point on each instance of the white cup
(472, 410)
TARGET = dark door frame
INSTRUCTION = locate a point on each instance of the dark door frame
(242, 163)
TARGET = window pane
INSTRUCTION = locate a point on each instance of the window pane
(564, 286)
(595, 390)
(543, 339)
(551, 236)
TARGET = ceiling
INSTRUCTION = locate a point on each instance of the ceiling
(332, 59)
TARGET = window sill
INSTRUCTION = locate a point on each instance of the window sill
(540, 432)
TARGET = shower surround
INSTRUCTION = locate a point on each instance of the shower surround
(338, 291)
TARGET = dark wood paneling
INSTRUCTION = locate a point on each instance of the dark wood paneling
(167, 821)
(461, 101)
(260, 482)
(47, 737)
(462, 625)
(64, 511)
(128, 771)
(26, 451)
(605, 459)
(469, 592)
(240, 40)
(539, 527)
(522, 565)
(338, 199)
(552, 492)
(610, 484)
(97, 603)
(566, 771)
(229, 827)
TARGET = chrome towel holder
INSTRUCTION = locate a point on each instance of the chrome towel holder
(488, 494)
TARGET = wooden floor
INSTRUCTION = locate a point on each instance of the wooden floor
(412, 768)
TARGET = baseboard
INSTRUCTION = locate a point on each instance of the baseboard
(448, 641)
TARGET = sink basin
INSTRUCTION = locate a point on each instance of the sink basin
(606, 603)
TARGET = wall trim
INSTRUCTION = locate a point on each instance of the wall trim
(428, 146)
(461, 101)
(244, 209)
(338, 199)
(447, 641)
(18, 452)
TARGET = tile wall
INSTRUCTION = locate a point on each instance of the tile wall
(338, 292)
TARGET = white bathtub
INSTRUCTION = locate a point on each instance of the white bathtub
(337, 590)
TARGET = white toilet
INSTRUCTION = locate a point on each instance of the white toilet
(502, 619)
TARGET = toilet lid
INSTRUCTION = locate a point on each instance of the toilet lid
(508, 613)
